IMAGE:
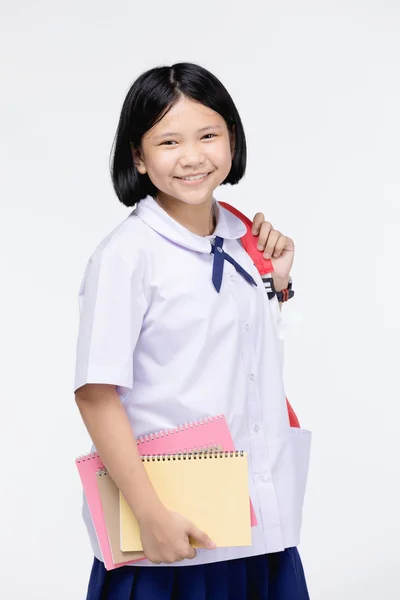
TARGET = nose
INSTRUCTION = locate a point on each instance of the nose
(191, 156)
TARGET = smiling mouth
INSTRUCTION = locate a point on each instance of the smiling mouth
(198, 177)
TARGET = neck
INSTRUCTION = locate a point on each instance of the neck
(197, 218)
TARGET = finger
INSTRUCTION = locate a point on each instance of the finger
(279, 246)
(271, 243)
(257, 222)
(263, 237)
(173, 556)
(201, 538)
(177, 558)
(191, 552)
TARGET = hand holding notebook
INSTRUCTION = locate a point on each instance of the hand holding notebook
(103, 496)
(208, 489)
(169, 537)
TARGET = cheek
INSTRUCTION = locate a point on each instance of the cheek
(161, 165)
(221, 155)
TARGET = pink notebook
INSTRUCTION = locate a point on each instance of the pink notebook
(196, 435)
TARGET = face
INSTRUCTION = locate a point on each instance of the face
(191, 140)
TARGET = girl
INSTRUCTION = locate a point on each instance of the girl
(175, 325)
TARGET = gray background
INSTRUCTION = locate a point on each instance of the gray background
(317, 86)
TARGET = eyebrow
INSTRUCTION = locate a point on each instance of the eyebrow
(172, 134)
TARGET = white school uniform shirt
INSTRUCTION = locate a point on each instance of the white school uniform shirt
(153, 324)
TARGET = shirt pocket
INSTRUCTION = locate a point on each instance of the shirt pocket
(301, 448)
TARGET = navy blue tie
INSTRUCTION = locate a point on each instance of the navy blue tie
(218, 266)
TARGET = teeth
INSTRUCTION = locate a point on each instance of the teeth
(194, 178)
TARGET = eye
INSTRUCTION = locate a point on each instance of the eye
(168, 142)
(211, 134)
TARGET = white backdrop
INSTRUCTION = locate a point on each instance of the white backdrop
(317, 86)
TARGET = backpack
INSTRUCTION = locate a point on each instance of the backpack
(263, 266)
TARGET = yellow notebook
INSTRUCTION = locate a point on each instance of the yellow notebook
(209, 488)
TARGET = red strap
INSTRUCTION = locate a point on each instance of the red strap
(249, 242)
(293, 420)
(264, 266)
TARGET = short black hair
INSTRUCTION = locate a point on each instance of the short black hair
(150, 97)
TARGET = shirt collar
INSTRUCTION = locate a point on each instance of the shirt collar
(228, 225)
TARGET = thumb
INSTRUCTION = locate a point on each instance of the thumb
(201, 538)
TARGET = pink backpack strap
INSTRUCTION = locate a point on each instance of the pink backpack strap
(264, 266)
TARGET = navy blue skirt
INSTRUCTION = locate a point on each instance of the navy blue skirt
(277, 576)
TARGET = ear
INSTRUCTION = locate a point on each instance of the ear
(138, 159)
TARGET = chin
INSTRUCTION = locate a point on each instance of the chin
(192, 197)
(196, 201)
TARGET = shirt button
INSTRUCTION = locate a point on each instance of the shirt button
(264, 478)
(252, 377)
(232, 278)
(256, 428)
(246, 326)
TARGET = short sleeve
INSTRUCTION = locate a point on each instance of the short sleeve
(112, 304)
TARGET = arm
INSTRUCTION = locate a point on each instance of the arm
(113, 302)
(107, 423)
(276, 247)
(164, 534)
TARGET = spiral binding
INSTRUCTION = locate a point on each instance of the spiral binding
(192, 455)
(215, 448)
(208, 448)
(168, 432)
(183, 456)
(85, 457)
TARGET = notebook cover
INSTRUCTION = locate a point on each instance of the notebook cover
(109, 496)
(198, 434)
(209, 489)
